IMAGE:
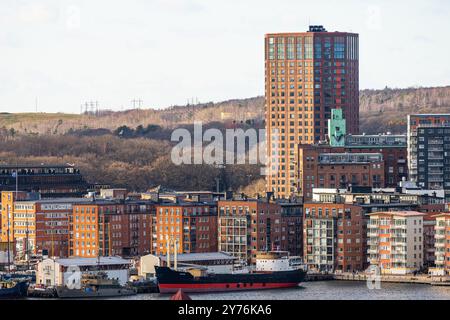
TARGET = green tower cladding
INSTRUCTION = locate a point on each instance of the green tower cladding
(336, 128)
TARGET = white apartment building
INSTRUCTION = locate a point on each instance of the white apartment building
(395, 241)
(442, 243)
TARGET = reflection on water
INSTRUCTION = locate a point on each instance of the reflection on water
(325, 290)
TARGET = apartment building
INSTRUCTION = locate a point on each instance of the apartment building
(192, 225)
(429, 232)
(338, 170)
(111, 227)
(429, 150)
(395, 241)
(334, 238)
(442, 242)
(306, 75)
(249, 226)
(292, 227)
(38, 227)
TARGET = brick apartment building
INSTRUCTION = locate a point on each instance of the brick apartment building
(111, 227)
(249, 226)
(292, 227)
(192, 224)
(319, 169)
(333, 236)
(429, 231)
(38, 226)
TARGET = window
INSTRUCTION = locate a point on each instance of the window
(299, 49)
(308, 48)
(271, 48)
(290, 48)
(280, 49)
(317, 49)
(339, 48)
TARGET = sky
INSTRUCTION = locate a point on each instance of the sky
(56, 55)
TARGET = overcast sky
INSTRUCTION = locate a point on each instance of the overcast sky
(65, 52)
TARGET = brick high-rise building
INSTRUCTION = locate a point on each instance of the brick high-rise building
(306, 75)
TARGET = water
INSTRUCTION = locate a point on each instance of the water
(325, 290)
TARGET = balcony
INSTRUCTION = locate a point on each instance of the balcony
(399, 243)
(399, 226)
(398, 235)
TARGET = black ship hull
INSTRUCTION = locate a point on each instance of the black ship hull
(170, 281)
(18, 291)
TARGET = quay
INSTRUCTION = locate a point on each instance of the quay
(419, 279)
(319, 277)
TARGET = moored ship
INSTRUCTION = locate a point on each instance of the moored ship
(274, 270)
(95, 286)
(10, 289)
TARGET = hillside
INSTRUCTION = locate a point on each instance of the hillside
(386, 110)
(132, 148)
(380, 110)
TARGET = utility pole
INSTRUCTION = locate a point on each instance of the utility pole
(138, 102)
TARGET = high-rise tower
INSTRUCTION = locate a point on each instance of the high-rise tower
(306, 75)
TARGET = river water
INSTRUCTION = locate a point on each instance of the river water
(326, 290)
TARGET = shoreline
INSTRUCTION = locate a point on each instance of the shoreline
(418, 279)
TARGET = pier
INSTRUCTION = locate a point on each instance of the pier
(419, 279)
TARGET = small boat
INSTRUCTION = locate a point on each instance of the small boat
(10, 289)
(144, 286)
(96, 285)
(41, 291)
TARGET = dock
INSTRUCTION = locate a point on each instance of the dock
(319, 277)
(419, 279)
